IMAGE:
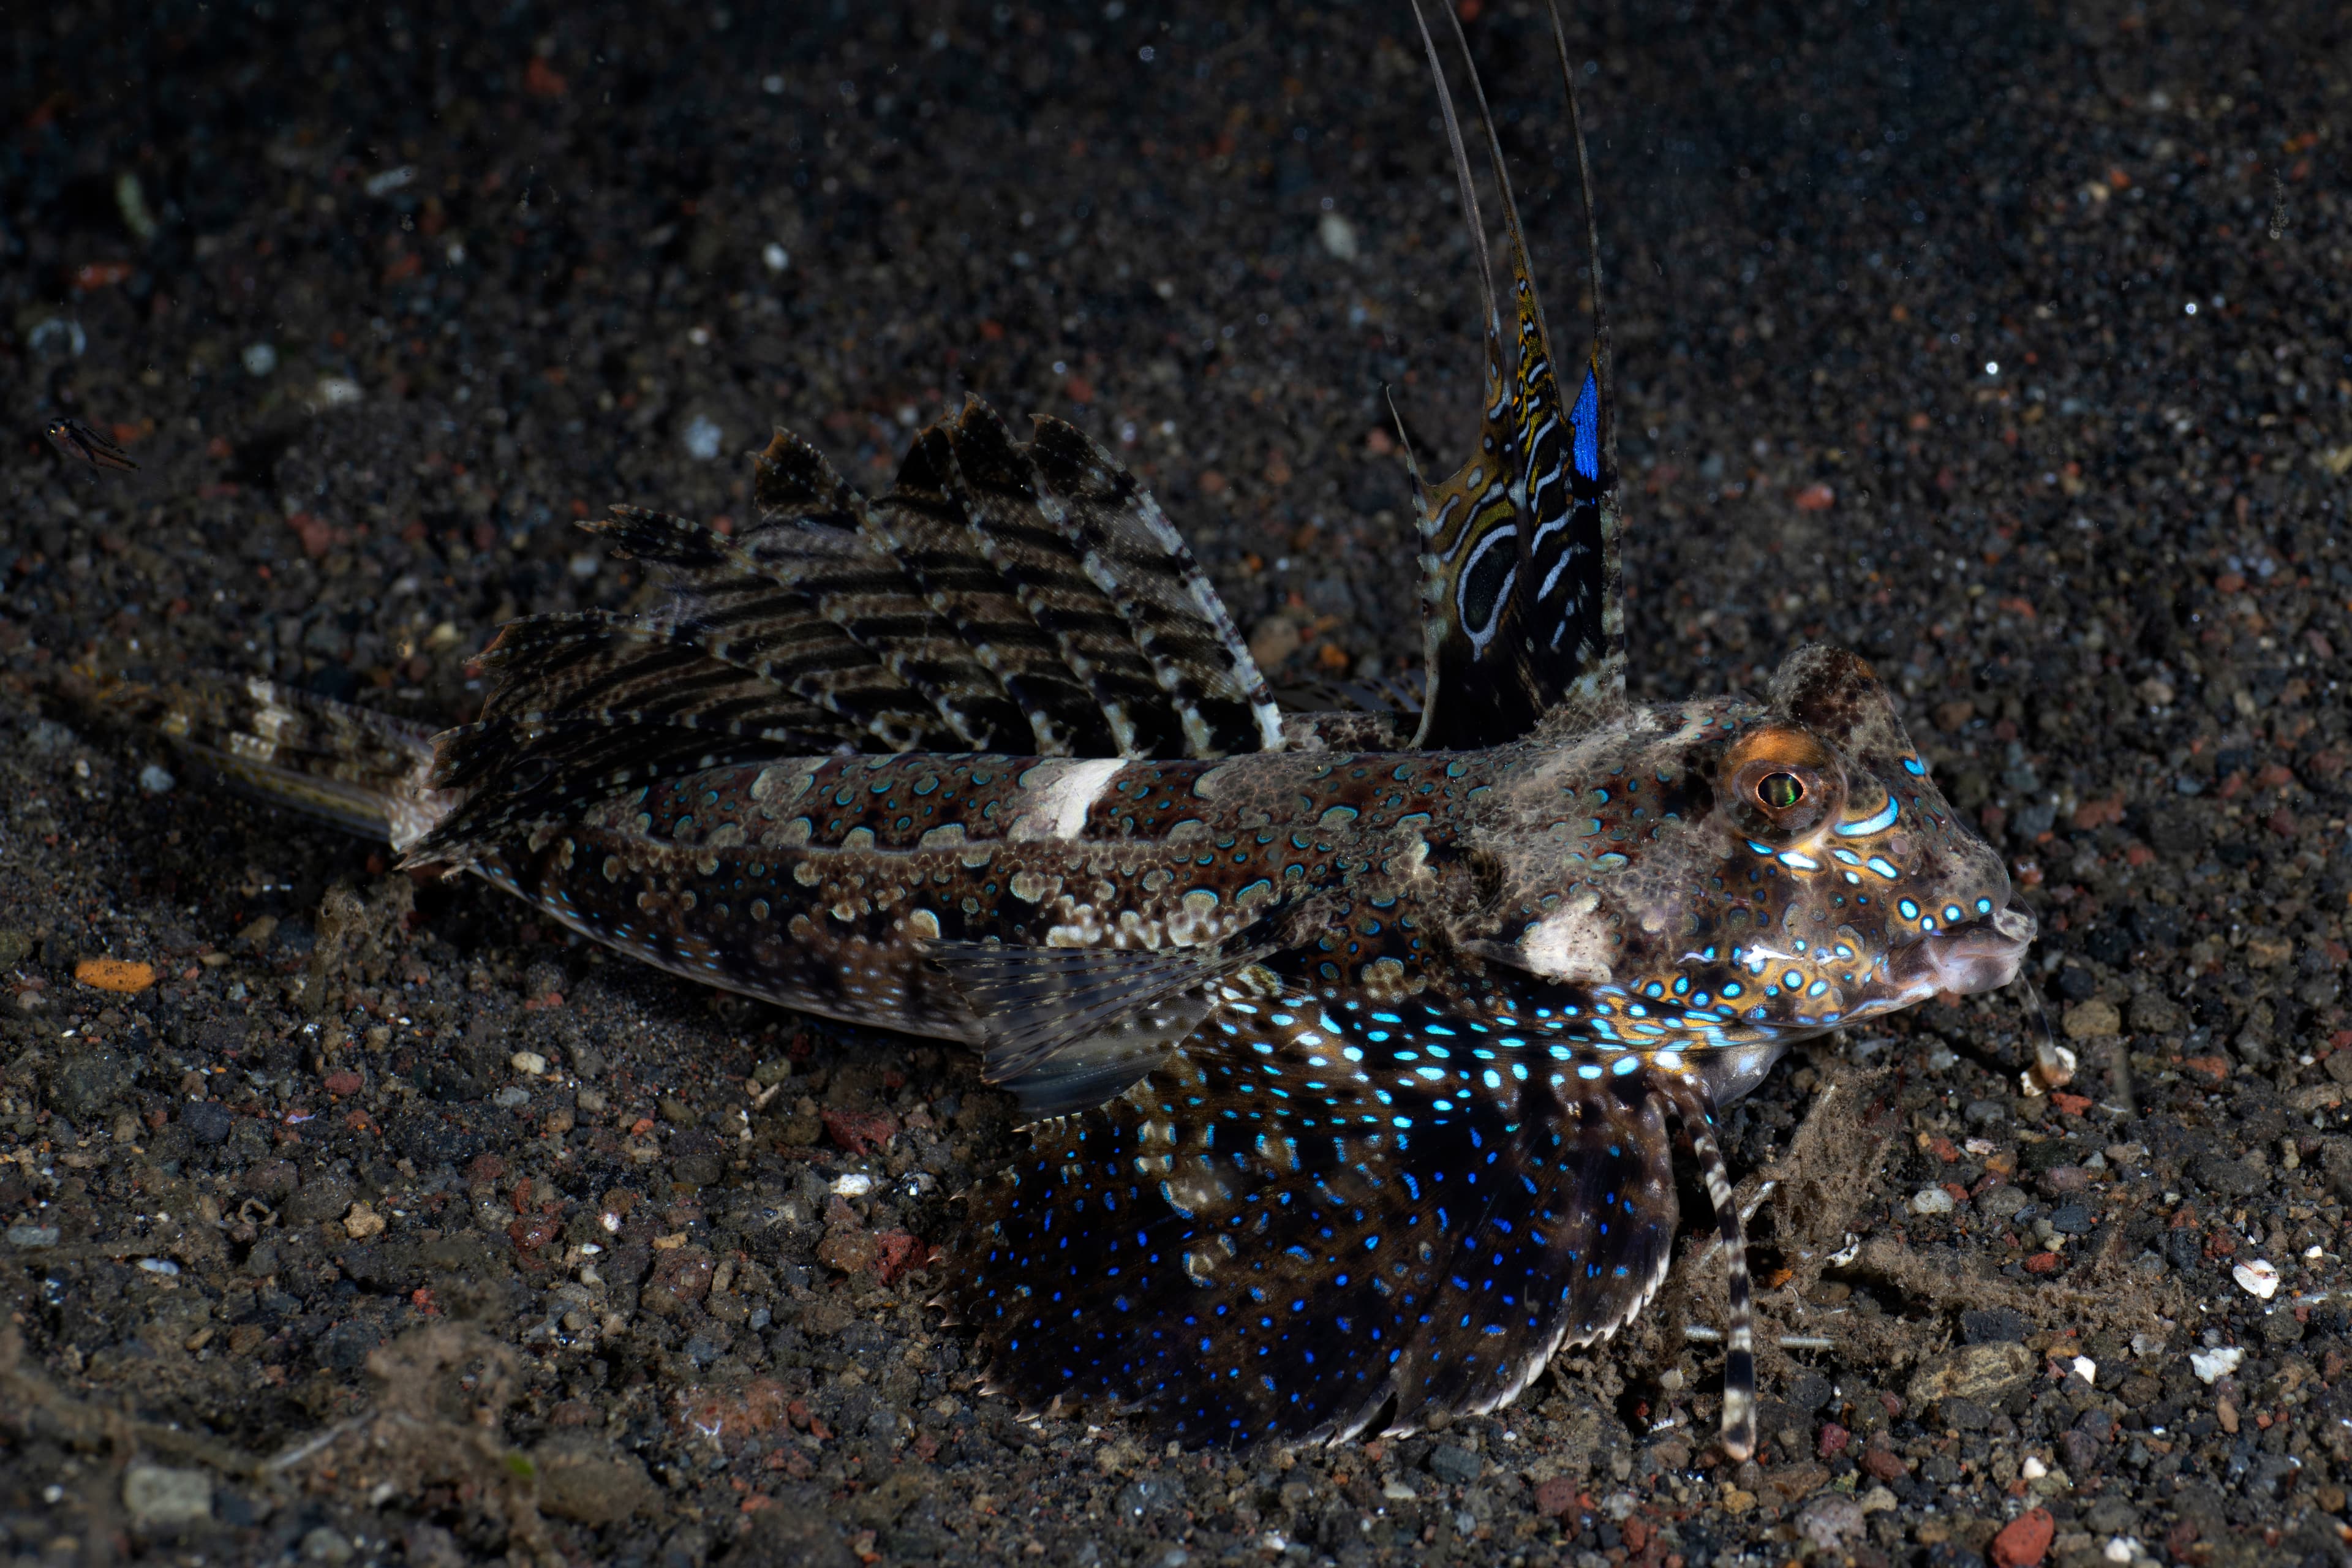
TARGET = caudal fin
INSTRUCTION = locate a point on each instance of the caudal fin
(367, 772)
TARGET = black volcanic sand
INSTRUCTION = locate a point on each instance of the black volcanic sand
(299, 1261)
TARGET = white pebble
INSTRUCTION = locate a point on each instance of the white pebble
(2118, 1550)
(776, 257)
(2033, 1469)
(159, 1266)
(855, 1184)
(702, 437)
(156, 779)
(1931, 1200)
(2088, 1368)
(260, 359)
(530, 1062)
(2259, 1277)
(337, 391)
(2212, 1366)
(1338, 235)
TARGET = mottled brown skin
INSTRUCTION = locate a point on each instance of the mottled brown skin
(1602, 868)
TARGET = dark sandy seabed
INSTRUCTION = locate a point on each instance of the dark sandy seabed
(298, 1261)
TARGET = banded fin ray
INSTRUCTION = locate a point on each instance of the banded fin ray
(1134, 555)
(1026, 599)
(1313, 1223)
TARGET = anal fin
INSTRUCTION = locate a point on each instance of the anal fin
(1067, 1028)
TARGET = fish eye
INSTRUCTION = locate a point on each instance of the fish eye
(1779, 791)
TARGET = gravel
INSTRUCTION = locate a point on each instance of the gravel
(1903, 319)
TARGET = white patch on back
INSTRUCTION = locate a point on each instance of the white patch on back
(1570, 944)
(1063, 792)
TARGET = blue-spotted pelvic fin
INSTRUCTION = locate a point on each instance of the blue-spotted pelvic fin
(1322, 1219)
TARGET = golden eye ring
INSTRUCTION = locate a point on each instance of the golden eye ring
(1779, 783)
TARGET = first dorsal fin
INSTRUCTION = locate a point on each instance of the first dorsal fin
(1520, 546)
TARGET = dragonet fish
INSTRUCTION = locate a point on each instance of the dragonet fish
(1357, 1046)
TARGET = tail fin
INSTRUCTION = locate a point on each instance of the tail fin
(367, 772)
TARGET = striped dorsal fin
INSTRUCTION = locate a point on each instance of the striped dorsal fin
(1520, 595)
(1008, 597)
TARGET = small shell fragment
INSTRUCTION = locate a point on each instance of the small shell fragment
(2212, 1366)
(2257, 1277)
(2053, 1068)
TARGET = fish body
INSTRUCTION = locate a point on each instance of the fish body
(1356, 1044)
(1623, 878)
(75, 439)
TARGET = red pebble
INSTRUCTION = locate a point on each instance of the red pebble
(858, 1131)
(900, 1253)
(2025, 1539)
(344, 1082)
(2042, 1263)
(1835, 1438)
(1556, 1497)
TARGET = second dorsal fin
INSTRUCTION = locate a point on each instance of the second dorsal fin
(1520, 586)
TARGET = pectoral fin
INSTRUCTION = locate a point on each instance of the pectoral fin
(1067, 1028)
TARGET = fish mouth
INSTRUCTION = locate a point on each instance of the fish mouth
(1981, 955)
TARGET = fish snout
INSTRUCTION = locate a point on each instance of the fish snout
(1982, 955)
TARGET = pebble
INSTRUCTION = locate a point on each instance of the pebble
(1338, 236)
(2088, 1020)
(2210, 1365)
(1452, 1462)
(2024, 1541)
(1831, 1520)
(1931, 1200)
(2258, 1277)
(1986, 1373)
(582, 1480)
(116, 974)
(327, 1544)
(160, 1498)
(156, 779)
(853, 1184)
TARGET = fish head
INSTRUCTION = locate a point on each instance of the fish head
(1829, 792)
(1745, 874)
